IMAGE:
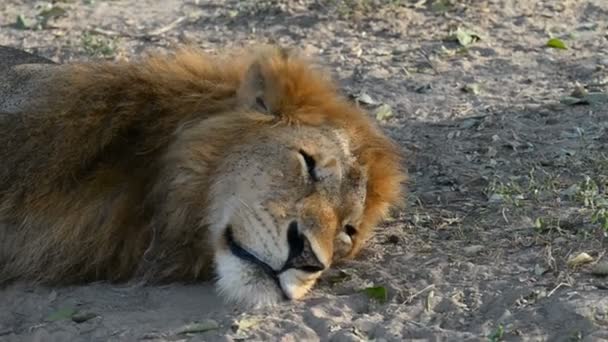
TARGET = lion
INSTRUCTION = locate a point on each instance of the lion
(246, 167)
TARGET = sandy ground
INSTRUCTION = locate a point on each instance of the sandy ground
(508, 184)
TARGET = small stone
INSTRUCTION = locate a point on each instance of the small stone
(560, 240)
(345, 336)
(491, 152)
(82, 317)
(394, 239)
(468, 123)
(539, 270)
(496, 198)
(600, 269)
(579, 92)
(424, 89)
(473, 250)
(472, 88)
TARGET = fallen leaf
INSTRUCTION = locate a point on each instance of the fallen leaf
(428, 305)
(556, 43)
(52, 12)
(365, 99)
(61, 314)
(471, 88)
(246, 323)
(378, 293)
(383, 112)
(22, 23)
(497, 334)
(580, 259)
(464, 37)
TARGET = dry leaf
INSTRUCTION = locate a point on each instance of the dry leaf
(580, 259)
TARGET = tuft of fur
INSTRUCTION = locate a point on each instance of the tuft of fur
(94, 181)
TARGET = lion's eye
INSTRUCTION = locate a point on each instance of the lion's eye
(350, 230)
(311, 165)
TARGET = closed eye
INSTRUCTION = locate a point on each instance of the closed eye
(311, 165)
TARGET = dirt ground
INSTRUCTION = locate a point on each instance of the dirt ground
(506, 142)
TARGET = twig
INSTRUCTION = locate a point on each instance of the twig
(557, 287)
(428, 60)
(416, 324)
(411, 298)
(166, 28)
(109, 33)
(153, 33)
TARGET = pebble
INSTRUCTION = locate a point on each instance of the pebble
(82, 317)
(472, 250)
(600, 269)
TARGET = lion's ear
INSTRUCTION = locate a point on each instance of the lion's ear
(254, 90)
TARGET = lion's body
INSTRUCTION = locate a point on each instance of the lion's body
(107, 168)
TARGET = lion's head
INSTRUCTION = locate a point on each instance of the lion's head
(297, 177)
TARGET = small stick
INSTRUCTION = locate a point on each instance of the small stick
(557, 287)
(157, 32)
(411, 298)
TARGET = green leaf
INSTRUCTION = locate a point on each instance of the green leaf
(53, 12)
(464, 37)
(497, 334)
(441, 6)
(540, 224)
(197, 328)
(378, 293)
(556, 44)
(383, 112)
(61, 314)
(22, 23)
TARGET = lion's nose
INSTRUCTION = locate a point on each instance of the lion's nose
(301, 255)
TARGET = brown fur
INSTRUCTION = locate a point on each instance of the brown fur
(91, 184)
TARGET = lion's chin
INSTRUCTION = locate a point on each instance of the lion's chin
(244, 284)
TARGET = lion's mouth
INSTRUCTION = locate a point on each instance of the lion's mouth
(245, 255)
